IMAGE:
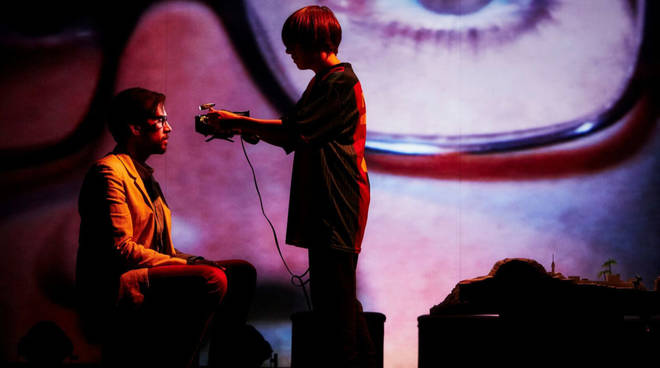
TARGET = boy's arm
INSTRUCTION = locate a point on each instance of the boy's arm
(269, 130)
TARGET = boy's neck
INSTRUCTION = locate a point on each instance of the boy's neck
(328, 59)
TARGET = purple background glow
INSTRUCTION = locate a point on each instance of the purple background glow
(583, 201)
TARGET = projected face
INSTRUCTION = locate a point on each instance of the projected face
(470, 68)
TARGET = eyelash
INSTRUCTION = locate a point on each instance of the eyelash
(412, 21)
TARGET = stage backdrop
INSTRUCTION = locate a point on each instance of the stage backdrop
(496, 129)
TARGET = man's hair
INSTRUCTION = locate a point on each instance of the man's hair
(131, 107)
(314, 28)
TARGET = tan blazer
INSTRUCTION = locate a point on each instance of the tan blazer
(117, 225)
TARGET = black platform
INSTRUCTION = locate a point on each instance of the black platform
(304, 335)
(478, 339)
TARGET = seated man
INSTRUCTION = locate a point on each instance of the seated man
(149, 303)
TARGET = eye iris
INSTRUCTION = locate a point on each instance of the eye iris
(454, 7)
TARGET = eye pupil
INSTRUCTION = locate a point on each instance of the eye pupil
(454, 7)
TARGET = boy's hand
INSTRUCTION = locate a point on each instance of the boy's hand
(222, 120)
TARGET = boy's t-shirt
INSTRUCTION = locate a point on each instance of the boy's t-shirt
(329, 197)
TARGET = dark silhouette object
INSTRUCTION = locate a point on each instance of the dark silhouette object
(305, 337)
(516, 287)
(45, 345)
(522, 311)
(248, 348)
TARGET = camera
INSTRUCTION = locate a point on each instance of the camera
(203, 126)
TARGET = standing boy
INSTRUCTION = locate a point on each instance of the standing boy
(329, 196)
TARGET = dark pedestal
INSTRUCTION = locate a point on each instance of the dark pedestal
(304, 338)
(536, 339)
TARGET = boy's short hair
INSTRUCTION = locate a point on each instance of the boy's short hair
(314, 28)
(131, 107)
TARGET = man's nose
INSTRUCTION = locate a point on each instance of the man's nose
(167, 127)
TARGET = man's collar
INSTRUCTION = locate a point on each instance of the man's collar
(143, 169)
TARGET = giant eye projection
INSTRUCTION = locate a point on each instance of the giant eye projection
(476, 76)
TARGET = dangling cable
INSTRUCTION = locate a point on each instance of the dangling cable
(296, 280)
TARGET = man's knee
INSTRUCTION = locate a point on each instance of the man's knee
(247, 272)
(215, 280)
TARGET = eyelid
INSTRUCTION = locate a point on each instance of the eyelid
(506, 21)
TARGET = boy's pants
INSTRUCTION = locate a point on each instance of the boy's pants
(343, 335)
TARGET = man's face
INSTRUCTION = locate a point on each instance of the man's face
(155, 132)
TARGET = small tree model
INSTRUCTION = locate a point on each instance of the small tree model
(607, 268)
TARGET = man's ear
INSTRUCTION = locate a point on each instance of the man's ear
(136, 130)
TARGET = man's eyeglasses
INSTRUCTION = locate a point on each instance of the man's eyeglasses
(160, 120)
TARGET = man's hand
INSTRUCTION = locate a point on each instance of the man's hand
(204, 261)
